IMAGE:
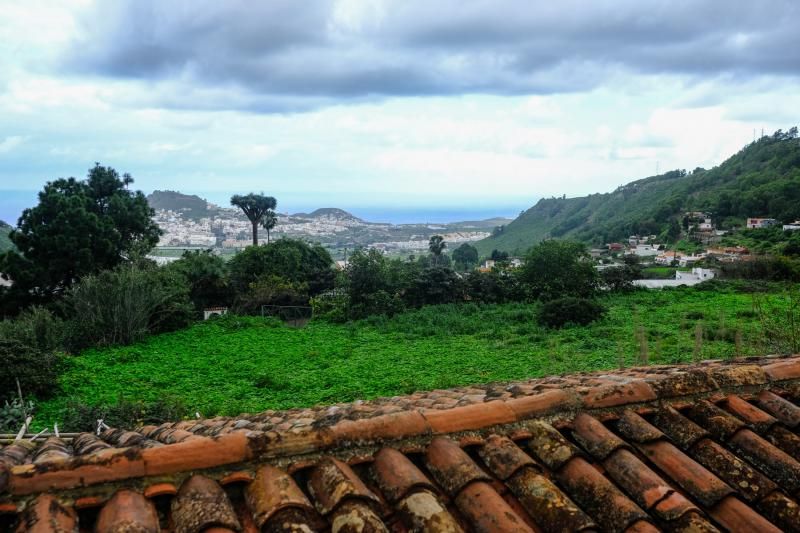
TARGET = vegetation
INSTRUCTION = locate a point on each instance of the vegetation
(255, 207)
(570, 311)
(190, 206)
(761, 180)
(78, 228)
(124, 305)
(465, 257)
(555, 269)
(239, 364)
(5, 241)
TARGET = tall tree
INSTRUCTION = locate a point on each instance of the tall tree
(555, 269)
(255, 207)
(465, 256)
(436, 245)
(269, 222)
(79, 227)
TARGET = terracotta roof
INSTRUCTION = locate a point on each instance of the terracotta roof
(713, 446)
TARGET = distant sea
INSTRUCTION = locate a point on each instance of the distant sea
(13, 202)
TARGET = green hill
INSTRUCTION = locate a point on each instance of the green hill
(190, 205)
(761, 180)
(5, 242)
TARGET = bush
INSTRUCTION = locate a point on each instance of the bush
(206, 274)
(331, 306)
(570, 311)
(764, 268)
(619, 278)
(126, 414)
(36, 327)
(292, 260)
(123, 305)
(493, 287)
(36, 370)
(271, 290)
(12, 415)
(555, 269)
(435, 285)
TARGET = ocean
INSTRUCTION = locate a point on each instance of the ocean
(13, 202)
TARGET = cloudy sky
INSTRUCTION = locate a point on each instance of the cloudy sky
(477, 106)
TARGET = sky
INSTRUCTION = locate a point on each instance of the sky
(460, 106)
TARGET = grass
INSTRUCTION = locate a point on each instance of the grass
(237, 365)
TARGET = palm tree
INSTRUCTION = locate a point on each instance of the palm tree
(254, 206)
(436, 246)
(269, 221)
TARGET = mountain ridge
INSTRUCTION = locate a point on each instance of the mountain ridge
(761, 180)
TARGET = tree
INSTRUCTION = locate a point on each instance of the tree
(206, 274)
(290, 259)
(556, 269)
(465, 256)
(269, 221)
(436, 245)
(254, 207)
(78, 228)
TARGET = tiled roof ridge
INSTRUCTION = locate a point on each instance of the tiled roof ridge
(241, 449)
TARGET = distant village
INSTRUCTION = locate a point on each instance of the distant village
(228, 230)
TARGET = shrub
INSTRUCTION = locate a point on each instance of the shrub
(435, 285)
(619, 278)
(125, 414)
(290, 259)
(493, 287)
(12, 415)
(123, 305)
(271, 290)
(331, 306)
(570, 311)
(554, 269)
(36, 327)
(36, 370)
(206, 274)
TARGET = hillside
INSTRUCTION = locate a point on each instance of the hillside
(5, 242)
(329, 213)
(761, 180)
(190, 205)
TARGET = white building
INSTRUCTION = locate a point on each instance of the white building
(794, 226)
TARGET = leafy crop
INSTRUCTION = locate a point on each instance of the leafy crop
(248, 364)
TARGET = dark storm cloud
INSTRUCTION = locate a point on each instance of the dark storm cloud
(290, 55)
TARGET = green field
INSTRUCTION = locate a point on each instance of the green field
(237, 365)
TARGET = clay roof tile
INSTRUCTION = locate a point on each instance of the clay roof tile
(719, 422)
(777, 464)
(734, 515)
(784, 410)
(595, 437)
(550, 446)
(45, 515)
(547, 504)
(695, 479)
(200, 504)
(751, 414)
(272, 491)
(452, 468)
(597, 495)
(636, 428)
(396, 475)
(504, 458)
(125, 512)
(678, 428)
(332, 481)
(487, 511)
(51, 449)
